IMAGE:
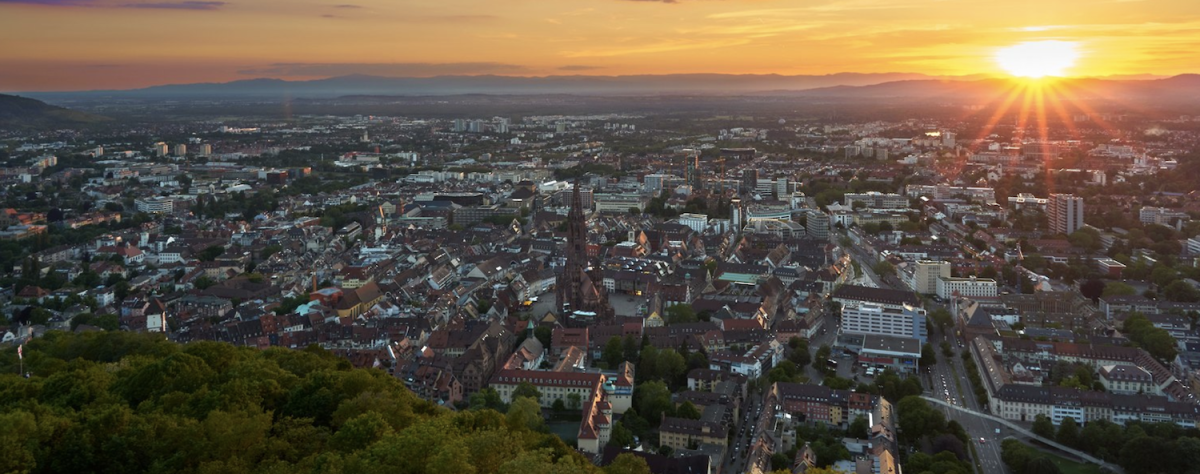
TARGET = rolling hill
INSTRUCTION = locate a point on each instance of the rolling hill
(25, 113)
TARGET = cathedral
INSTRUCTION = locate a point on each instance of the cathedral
(580, 294)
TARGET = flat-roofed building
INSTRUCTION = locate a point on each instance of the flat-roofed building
(868, 318)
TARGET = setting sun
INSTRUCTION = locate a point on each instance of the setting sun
(1038, 58)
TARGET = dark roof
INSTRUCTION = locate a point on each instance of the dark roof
(658, 463)
(876, 295)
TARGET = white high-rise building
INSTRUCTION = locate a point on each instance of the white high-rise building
(1065, 212)
(869, 318)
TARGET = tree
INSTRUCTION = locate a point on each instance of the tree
(631, 346)
(558, 406)
(652, 399)
(1068, 432)
(860, 428)
(1042, 426)
(883, 268)
(613, 353)
(211, 253)
(621, 436)
(574, 401)
(947, 350)
(1041, 465)
(1158, 342)
(487, 398)
(928, 355)
(525, 413)
(526, 389)
(941, 317)
(1180, 290)
(679, 314)
(626, 463)
(800, 354)
(917, 419)
(687, 410)
(1092, 289)
(1117, 288)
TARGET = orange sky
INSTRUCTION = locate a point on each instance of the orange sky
(100, 44)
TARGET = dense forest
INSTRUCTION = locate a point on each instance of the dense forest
(113, 402)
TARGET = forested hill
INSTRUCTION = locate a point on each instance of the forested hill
(112, 402)
(25, 113)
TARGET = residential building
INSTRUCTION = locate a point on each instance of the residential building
(1065, 212)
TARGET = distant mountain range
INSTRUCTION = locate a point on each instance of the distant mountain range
(1177, 89)
(1178, 92)
(25, 113)
(362, 85)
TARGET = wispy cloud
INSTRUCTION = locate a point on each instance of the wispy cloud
(347, 5)
(187, 5)
(51, 3)
(181, 5)
(653, 1)
(579, 67)
(663, 46)
(381, 69)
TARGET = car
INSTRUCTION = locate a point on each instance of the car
(982, 441)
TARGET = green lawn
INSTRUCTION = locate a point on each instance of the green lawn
(1068, 466)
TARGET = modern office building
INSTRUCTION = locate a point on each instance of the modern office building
(926, 274)
(817, 225)
(1065, 212)
(970, 287)
(696, 222)
(868, 318)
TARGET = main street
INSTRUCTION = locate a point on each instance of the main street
(947, 380)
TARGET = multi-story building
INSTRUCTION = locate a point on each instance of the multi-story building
(618, 203)
(877, 200)
(970, 287)
(1065, 212)
(598, 395)
(180, 149)
(926, 274)
(1161, 216)
(696, 222)
(1128, 379)
(817, 225)
(867, 318)
(155, 205)
(1022, 401)
(899, 353)
(683, 433)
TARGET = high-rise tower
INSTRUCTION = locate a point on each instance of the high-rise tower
(580, 294)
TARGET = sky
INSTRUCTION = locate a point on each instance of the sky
(50, 45)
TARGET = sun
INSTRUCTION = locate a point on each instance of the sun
(1036, 59)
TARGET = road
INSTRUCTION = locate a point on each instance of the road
(947, 381)
(735, 456)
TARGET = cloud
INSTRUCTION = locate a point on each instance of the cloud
(654, 1)
(578, 67)
(186, 5)
(381, 69)
(347, 5)
(51, 3)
